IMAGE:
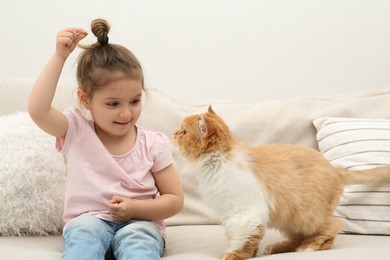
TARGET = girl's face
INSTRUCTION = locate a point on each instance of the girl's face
(116, 107)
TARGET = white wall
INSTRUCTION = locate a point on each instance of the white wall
(195, 50)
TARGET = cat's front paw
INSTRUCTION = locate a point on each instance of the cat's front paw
(268, 250)
(281, 247)
(230, 256)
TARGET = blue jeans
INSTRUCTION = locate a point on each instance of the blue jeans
(91, 238)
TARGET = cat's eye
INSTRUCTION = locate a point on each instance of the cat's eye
(183, 132)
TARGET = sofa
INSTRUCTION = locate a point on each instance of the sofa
(32, 173)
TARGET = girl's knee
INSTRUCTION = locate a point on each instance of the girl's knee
(139, 229)
(140, 238)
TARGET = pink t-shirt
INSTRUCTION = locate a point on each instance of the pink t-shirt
(94, 175)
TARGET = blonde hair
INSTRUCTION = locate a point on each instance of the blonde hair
(103, 62)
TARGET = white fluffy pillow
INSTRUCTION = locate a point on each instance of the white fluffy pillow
(32, 177)
(354, 143)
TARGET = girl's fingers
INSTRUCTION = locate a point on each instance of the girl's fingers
(81, 36)
(116, 199)
(80, 31)
(73, 34)
(64, 41)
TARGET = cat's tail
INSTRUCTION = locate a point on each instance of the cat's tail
(372, 176)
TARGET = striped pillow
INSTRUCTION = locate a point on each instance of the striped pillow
(354, 143)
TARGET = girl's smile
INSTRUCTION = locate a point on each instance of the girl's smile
(122, 123)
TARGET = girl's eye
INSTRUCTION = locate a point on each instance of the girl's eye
(136, 101)
(112, 104)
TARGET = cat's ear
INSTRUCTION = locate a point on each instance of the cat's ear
(202, 126)
(211, 111)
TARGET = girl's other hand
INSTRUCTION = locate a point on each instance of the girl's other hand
(121, 208)
(68, 39)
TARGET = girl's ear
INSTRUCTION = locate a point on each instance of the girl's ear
(84, 99)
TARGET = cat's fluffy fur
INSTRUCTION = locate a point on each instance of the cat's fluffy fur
(291, 188)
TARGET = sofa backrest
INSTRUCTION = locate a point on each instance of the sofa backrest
(266, 121)
(14, 94)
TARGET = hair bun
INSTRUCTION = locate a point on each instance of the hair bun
(100, 29)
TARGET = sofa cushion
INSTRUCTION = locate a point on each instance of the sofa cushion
(208, 242)
(32, 177)
(355, 143)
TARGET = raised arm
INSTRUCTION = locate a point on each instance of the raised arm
(48, 118)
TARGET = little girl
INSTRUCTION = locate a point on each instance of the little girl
(120, 183)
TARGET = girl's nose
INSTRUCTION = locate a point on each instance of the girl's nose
(125, 113)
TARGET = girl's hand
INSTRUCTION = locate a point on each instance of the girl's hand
(68, 39)
(121, 208)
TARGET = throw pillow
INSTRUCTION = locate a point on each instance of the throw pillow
(32, 177)
(354, 143)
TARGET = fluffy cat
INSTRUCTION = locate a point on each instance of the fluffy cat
(291, 188)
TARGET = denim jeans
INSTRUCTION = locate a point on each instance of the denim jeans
(91, 238)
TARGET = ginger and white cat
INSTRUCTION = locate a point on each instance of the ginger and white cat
(291, 188)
